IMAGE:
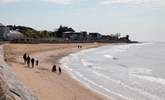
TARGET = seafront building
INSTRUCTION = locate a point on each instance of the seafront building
(79, 36)
(14, 34)
(7, 34)
(4, 31)
(30, 35)
(94, 36)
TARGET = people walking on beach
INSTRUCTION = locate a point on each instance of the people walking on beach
(28, 61)
(5, 59)
(24, 58)
(79, 46)
(36, 62)
(54, 68)
(59, 69)
(32, 62)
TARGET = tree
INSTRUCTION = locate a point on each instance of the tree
(62, 29)
(127, 37)
(115, 36)
(32, 33)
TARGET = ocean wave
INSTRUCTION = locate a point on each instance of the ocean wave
(86, 63)
(100, 86)
(124, 47)
(110, 56)
(78, 76)
(130, 84)
(136, 90)
(140, 71)
(150, 78)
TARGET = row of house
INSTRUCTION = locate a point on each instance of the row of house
(76, 36)
(82, 36)
(7, 34)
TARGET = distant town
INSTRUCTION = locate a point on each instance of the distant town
(63, 34)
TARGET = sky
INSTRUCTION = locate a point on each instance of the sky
(143, 20)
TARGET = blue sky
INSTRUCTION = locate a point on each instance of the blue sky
(141, 19)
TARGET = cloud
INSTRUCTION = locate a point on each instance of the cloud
(65, 2)
(135, 2)
(8, 1)
(59, 1)
(51, 1)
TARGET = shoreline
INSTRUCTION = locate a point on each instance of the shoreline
(72, 75)
(90, 94)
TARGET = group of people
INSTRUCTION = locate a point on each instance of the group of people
(54, 69)
(79, 46)
(29, 60)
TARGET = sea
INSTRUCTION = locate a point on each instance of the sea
(121, 71)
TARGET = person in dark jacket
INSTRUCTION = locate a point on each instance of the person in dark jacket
(28, 61)
(36, 62)
(24, 58)
(59, 69)
(54, 68)
(32, 62)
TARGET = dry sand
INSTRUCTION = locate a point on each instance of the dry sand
(42, 82)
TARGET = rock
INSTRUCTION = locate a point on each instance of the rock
(3, 87)
(5, 94)
(9, 96)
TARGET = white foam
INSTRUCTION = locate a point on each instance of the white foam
(108, 56)
(150, 78)
(142, 92)
(72, 73)
(86, 63)
(64, 61)
(100, 86)
(140, 71)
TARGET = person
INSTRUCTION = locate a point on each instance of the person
(6, 59)
(32, 62)
(54, 68)
(59, 69)
(28, 61)
(24, 58)
(36, 62)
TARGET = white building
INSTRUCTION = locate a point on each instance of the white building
(94, 36)
(14, 35)
(3, 32)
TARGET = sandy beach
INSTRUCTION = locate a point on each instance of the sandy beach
(40, 80)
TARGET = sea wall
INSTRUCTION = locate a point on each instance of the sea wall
(10, 87)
